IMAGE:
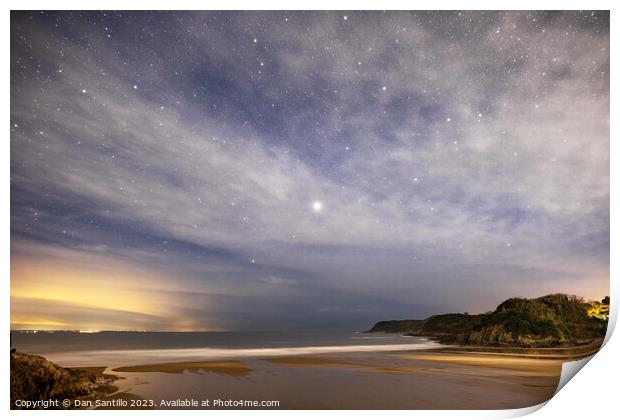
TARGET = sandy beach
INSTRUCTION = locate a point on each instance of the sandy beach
(450, 378)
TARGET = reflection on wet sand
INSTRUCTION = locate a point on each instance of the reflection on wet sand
(229, 367)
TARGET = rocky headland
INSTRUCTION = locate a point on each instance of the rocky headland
(547, 321)
(34, 378)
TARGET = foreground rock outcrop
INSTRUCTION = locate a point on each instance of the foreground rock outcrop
(547, 321)
(34, 378)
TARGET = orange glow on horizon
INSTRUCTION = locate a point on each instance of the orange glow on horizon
(96, 290)
(38, 324)
(64, 289)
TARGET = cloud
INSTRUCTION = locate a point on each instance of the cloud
(484, 163)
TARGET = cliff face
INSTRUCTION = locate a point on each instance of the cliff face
(551, 320)
(35, 378)
(548, 320)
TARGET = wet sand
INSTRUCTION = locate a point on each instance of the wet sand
(450, 379)
(230, 367)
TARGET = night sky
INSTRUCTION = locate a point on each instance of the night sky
(261, 170)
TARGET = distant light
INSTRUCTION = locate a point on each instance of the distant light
(317, 206)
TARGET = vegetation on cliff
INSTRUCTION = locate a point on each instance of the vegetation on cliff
(396, 326)
(552, 320)
(34, 378)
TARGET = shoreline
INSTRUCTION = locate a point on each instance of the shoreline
(237, 366)
(455, 377)
(127, 357)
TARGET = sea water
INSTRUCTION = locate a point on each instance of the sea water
(111, 348)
